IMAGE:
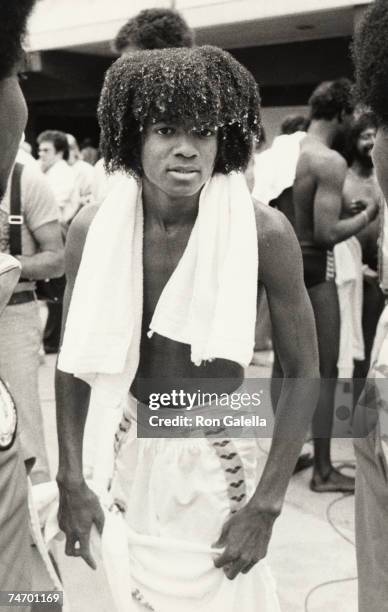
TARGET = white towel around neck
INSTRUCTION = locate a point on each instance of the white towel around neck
(209, 301)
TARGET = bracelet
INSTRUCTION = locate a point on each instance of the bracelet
(367, 220)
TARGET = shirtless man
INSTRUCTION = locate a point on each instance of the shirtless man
(360, 187)
(175, 149)
(317, 201)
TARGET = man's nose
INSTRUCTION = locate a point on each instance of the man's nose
(185, 146)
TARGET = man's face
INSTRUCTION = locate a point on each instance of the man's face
(380, 159)
(177, 159)
(48, 155)
(13, 119)
(364, 146)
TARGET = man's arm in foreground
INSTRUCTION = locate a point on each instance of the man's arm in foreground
(246, 535)
(79, 507)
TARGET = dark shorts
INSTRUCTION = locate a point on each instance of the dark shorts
(318, 266)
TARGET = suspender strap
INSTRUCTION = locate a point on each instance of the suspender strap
(15, 218)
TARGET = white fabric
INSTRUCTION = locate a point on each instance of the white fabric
(62, 181)
(83, 179)
(383, 250)
(170, 530)
(275, 168)
(349, 281)
(102, 182)
(159, 551)
(209, 301)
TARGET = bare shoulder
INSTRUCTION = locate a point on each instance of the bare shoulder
(83, 219)
(272, 225)
(76, 237)
(277, 243)
(327, 162)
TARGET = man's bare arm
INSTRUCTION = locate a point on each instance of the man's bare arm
(49, 261)
(330, 171)
(246, 536)
(79, 507)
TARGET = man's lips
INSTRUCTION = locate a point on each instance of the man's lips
(183, 169)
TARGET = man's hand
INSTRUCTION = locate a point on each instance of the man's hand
(79, 508)
(245, 537)
(370, 206)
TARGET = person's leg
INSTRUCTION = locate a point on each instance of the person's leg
(324, 300)
(20, 338)
(373, 305)
(371, 514)
(15, 549)
(52, 332)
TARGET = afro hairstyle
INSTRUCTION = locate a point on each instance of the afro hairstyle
(330, 99)
(203, 87)
(157, 28)
(13, 17)
(370, 55)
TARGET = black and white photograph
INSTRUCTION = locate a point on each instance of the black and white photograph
(193, 320)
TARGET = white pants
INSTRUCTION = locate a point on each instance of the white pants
(174, 496)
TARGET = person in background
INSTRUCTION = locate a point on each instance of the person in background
(294, 123)
(53, 157)
(40, 253)
(360, 186)
(319, 174)
(83, 173)
(89, 153)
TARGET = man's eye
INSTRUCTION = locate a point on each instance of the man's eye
(204, 132)
(165, 131)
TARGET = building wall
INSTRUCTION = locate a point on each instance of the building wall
(66, 23)
(69, 59)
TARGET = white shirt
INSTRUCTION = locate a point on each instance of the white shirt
(63, 183)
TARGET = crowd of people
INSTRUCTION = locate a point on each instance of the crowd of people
(210, 234)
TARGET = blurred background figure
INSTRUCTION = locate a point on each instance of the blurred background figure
(361, 186)
(53, 157)
(37, 243)
(83, 174)
(89, 153)
(294, 123)
(53, 160)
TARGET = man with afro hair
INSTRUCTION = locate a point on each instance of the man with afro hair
(178, 127)
(370, 52)
(15, 551)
